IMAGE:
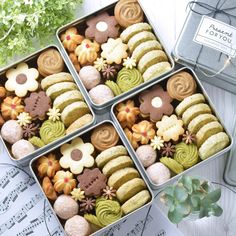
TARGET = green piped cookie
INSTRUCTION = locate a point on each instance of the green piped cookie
(114, 87)
(74, 111)
(67, 98)
(51, 131)
(172, 164)
(56, 90)
(37, 142)
(93, 220)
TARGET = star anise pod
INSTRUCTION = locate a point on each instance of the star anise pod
(109, 193)
(109, 72)
(30, 130)
(87, 204)
(189, 138)
(168, 149)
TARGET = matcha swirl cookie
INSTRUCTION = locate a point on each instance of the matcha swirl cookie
(128, 79)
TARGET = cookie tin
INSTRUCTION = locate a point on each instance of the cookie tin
(83, 133)
(81, 20)
(203, 91)
(31, 61)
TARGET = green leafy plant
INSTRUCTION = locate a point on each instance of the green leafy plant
(26, 23)
(191, 196)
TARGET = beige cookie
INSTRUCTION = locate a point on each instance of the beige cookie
(109, 154)
(194, 111)
(136, 202)
(122, 176)
(199, 121)
(213, 144)
(117, 164)
(129, 189)
(207, 131)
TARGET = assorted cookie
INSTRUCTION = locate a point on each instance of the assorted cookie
(39, 106)
(91, 181)
(171, 127)
(114, 52)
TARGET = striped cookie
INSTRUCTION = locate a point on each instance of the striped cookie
(129, 189)
(213, 144)
(117, 164)
(111, 153)
(74, 111)
(188, 102)
(122, 176)
(194, 111)
(199, 121)
(136, 202)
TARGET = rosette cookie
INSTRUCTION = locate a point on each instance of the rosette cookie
(186, 155)
(128, 12)
(181, 85)
(51, 131)
(104, 137)
(128, 79)
(50, 62)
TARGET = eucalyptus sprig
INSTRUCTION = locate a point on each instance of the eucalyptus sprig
(191, 195)
(24, 23)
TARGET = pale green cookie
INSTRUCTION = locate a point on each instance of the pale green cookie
(145, 47)
(56, 90)
(156, 70)
(36, 141)
(114, 87)
(74, 111)
(56, 78)
(134, 29)
(139, 38)
(151, 58)
(51, 131)
(172, 164)
(67, 98)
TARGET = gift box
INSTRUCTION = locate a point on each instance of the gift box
(207, 42)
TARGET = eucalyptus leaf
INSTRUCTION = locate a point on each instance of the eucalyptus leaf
(187, 182)
(180, 193)
(215, 195)
(175, 217)
(183, 208)
(169, 190)
(217, 210)
(195, 200)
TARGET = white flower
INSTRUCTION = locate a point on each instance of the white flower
(23, 119)
(129, 62)
(157, 143)
(28, 2)
(54, 114)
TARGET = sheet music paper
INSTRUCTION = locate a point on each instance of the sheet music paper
(24, 211)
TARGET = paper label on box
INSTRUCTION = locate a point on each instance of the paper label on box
(217, 35)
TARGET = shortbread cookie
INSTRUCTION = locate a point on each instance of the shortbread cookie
(74, 111)
(150, 59)
(67, 98)
(122, 176)
(170, 128)
(111, 153)
(199, 121)
(134, 29)
(139, 38)
(117, 164)
(214, 144)
(129, 189)
(136, 202)
(208, 130)
(56, 78)
(194, 111)
(56, 90)
(188, 102)
(172, 164)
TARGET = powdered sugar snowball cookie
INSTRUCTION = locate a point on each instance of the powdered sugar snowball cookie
(146, 155)
(101, 94)
(21, 149)
(77, 225)
(66, 207)
(89, 76)
(11, 131)
(158, 173)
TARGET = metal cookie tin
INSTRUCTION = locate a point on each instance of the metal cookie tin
(208, 100)
(79, 23)
(84, 135)
(31, 60)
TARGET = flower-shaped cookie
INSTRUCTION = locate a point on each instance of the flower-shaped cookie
(22, 79)
(170, 128)
(102, 27)
(87, 52)
(77, 155)
(70, 39)
(155, 103)
(54, 114)
(24, 119)
(114, 51)
(143, 132)
(129, 63)
(130, 137)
